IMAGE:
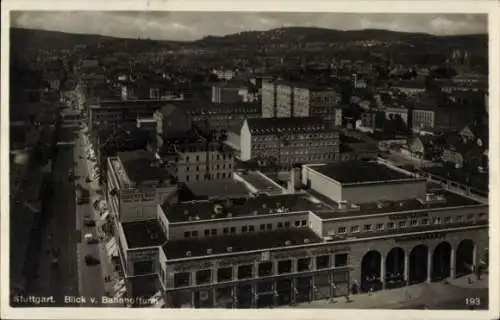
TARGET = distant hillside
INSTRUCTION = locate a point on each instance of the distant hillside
(310, 34)
(42, 39)
(53, 39)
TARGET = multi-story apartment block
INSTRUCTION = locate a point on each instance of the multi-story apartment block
(289, 140)
(235, 91)
(194, 159)
(284, 99)
(374, 228)
(224, 116)
(269, 98)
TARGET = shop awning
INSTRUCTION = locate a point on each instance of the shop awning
(112, 247)
(105, 215)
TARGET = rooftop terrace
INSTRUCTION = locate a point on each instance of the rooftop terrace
(359, 172)
(241, 207)
(146, 233)
(239, 243)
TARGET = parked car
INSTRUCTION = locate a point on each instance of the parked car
(90, 239)
(91, 260)
(88, 222)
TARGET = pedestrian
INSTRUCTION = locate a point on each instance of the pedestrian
(469, 279)
(370, 291)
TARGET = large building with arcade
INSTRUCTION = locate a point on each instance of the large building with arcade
(350, 228)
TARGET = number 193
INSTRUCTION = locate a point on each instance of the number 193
(473, 301)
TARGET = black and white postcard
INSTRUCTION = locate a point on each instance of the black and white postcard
(215, 159)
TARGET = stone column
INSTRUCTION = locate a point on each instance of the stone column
(254, 296)
(312, 291)
(234, 294)
(429, 265)
(294, 264)
(474, 255)
(313, 263)
(214, 298)
(452, 263)
(275, 292)
(255, 270)
(193, 298)
(382, 269)
(294, 290)
(407, 267)
(193, 278)
(235, 273)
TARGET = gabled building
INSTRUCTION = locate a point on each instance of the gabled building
(289, 140)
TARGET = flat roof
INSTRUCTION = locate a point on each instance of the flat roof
(145, 233)
(240, 243)
(140, 166)
(239, 207)
(357, 171)
(222, 188)
(260, 183)
(450, 200)
(276, 239)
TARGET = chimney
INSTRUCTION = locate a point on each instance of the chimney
(342, 205)
(229, 249)
(209, 251)
(188, 253)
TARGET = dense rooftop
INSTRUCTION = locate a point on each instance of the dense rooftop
(140, 166)
(146, 233)
(219, 209)
(356, 172)
(441, 199)
(240, 243)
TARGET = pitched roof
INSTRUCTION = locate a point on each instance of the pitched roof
(283, 125)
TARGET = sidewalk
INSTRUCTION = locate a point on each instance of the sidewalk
(379, 299)
(106, 264)
(422, 293)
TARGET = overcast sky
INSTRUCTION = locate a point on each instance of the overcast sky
(195, 25)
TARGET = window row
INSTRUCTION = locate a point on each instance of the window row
(198, 158)
(263, 269)
(218, 175)
(411, 223)
(245, 229)
(217, 166)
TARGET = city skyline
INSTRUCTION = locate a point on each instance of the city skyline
(191, 26)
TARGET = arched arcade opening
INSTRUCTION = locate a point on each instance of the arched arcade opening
(370, 271)
(464, 258)
(395, 268)
(441, 262)
(418, 264)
